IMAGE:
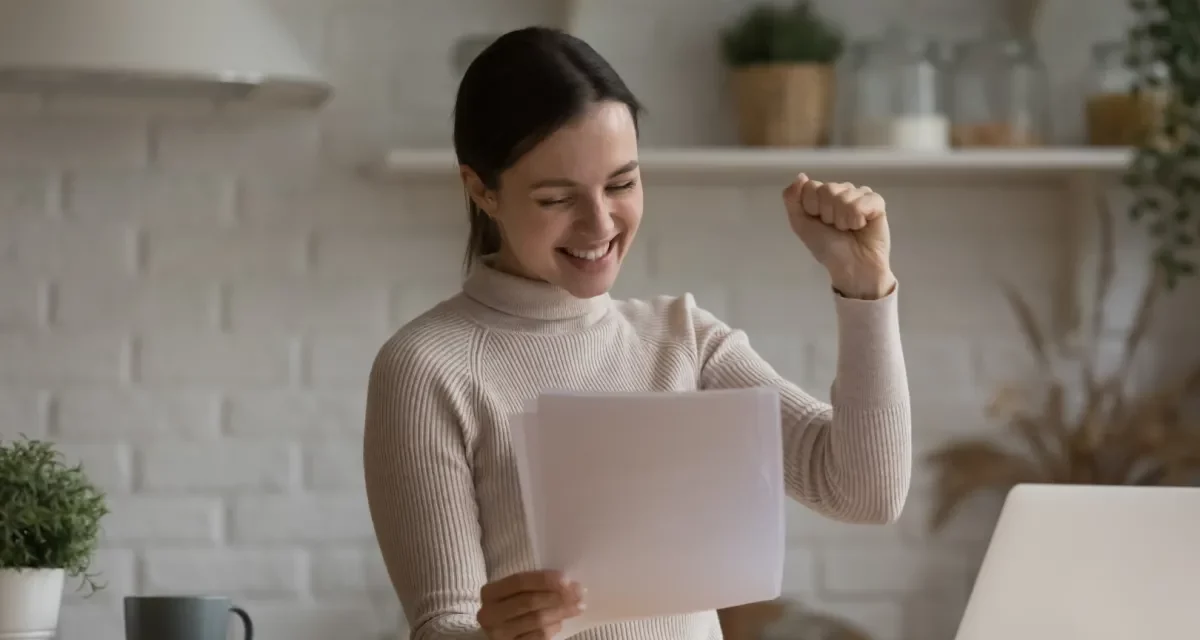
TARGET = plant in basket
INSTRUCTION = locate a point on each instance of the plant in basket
(782, 60)
(50, 515)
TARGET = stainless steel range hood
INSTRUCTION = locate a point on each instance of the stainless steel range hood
(226, 50)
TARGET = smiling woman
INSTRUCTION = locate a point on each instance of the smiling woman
(546, 135)
(549, 159)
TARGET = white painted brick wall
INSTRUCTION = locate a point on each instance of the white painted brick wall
(190, 301)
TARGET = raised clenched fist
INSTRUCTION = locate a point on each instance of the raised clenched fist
(845, 227)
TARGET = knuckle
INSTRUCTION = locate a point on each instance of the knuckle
(525, 601)
(543, 601)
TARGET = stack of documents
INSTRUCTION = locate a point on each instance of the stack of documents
(656, 503)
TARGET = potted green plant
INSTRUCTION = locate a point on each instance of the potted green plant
(50, 515)
(782, 60)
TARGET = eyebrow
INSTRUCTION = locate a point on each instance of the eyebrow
(563, 182)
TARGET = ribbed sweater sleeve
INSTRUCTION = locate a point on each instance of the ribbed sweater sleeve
(419, 484)
(850, 460)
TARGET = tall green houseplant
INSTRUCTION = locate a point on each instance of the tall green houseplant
(50, 514)
(1164, 48)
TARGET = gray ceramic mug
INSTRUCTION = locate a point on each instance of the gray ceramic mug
(182, 618)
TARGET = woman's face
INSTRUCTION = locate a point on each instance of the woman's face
(569, 209)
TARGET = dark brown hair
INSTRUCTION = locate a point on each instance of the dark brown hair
(516, 93)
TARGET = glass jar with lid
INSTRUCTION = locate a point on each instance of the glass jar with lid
(899, 95)
(846, 94)
(999, 94)
(1115, 115)
(868, 95)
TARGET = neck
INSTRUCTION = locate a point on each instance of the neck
(524, 298)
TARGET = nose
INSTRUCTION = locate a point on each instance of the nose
(595, 218)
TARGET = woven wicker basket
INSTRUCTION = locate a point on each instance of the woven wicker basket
(784, 105)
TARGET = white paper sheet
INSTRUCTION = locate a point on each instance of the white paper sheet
(658, 504)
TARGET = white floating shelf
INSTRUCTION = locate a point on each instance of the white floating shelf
(746, 163)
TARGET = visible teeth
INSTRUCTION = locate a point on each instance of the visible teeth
(592, 254)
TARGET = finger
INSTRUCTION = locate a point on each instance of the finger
(831, 201)
(498, 613)
(871, 206)
(810, 198)
(547, 620)
(547, 580)
(524, 604)
(791, 193)
(806, 226)
(541, 634)
(850, 218)
(839, 188)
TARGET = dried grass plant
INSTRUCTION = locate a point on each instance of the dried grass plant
(1072, 423)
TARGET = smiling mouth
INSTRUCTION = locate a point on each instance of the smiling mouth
(592, 254)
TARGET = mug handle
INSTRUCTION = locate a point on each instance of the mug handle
(247, 624)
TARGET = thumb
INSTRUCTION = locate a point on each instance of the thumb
(792, 192)
(804, 225)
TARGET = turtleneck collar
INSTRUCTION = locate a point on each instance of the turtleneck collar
(528, 299)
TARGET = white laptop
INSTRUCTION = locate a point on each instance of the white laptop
(1082, 562)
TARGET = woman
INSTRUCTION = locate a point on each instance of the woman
(546, 136)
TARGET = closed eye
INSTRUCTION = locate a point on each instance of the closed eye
(616, 188)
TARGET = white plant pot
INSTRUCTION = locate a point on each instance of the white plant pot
(30, 600)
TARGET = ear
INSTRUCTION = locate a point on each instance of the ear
(483, 197)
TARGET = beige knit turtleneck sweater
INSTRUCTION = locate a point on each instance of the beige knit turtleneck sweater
(440, 475)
